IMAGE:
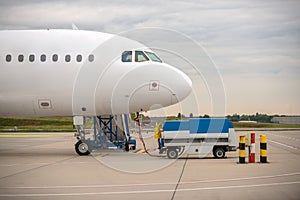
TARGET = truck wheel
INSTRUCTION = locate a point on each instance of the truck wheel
(82, 148)
(219, 152)
(172, 153)
(126, 146)
(133, 148)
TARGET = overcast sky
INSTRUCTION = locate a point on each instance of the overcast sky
(254, 44)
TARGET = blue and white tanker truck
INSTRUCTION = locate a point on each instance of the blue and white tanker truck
(198, 136)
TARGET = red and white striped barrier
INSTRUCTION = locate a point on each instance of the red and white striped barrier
(252, 149)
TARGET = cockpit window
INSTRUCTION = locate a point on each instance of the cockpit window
(127, 56)
(153, 57)
(140, 56)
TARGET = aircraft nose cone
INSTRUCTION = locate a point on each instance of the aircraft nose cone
(145, 87)
(181, 85)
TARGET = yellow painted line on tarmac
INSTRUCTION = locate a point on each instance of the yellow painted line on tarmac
(141, 151)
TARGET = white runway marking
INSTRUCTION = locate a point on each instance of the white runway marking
(63, 163)
(289, 138)
(285, 145)
(152, 191)
(13, 165)
(152, 184)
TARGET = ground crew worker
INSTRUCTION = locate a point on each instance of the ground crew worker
(157, 134)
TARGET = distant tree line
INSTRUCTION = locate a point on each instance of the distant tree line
(258, 117)
(179, 115)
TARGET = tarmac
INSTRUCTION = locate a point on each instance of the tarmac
(45, 166)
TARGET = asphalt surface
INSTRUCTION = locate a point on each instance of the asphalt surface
(36, 167)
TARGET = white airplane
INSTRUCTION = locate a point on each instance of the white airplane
(45, 73)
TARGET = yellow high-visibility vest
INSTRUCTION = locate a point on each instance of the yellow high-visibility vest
(157, 132)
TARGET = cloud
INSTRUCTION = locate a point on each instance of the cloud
(247, 39)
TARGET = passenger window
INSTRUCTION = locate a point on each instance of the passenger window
(67, 58)
(54, 57)
(43, 58)
(140, 56)
(21, 58)
(127, 56)
(79, 58)
(8, 58)
(91, 58)
(31, 58)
